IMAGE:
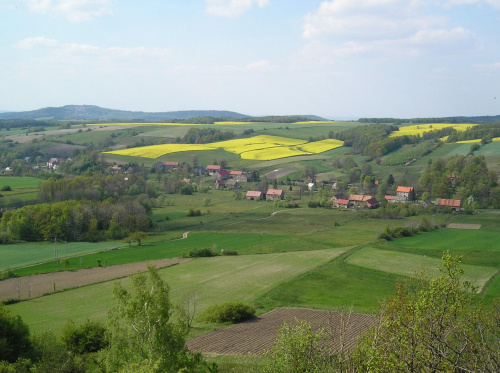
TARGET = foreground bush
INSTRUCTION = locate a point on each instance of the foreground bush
(229, 312)
(205, 252)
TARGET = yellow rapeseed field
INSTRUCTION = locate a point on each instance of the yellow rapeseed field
(321, 146)
(419, 129)
(261, 147)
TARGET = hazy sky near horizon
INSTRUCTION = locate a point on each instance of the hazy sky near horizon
(336, 58)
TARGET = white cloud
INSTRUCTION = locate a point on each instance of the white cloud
(263, 65)
(37, 41)
(494, 3)
(88, 49)
(232, 8)
(72, 10)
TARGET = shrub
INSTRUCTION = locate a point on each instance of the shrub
(228, 252)
(6, 188)
(85, 338)
(232, 312)
(205, 252)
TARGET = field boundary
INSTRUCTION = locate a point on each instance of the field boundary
(463, 226)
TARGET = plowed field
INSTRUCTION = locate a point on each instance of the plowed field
(256, 336)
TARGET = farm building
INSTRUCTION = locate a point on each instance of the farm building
(232, 184)
(389, 198)
(116, 169)
(212, 168)
(403, 193)
(220, 175)
(220, 184)
(341, 203)
(372, 203)
(275, 194)
(171, 165)
(454, 204)
(254, 195)
(312, 187)
(187, 181)
(53, 163)
(358, 200)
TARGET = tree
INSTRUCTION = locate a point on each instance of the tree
(14, 337)
(390, 180)
(298, 349)
(137, 237)
(433, 326)
(142, 330)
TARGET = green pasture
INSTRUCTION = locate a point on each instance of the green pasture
(336, 285)
(18, 182)
(26, 254)
(409, 264)
(156, 250)
(477, 247)
(214, 280)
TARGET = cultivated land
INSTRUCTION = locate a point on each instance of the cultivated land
(311, 258)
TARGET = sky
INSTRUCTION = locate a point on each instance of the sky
(335, 58)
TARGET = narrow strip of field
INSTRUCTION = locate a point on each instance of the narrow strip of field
(256, 336)
(463, 226)
(215, 280)
(407, 264)
(37, 285)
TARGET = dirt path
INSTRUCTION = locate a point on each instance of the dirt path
(37, 285)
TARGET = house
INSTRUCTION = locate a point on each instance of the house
(312, 187)
(341, 203)
(115, 169)
(454, 204)
(8, 171)
(219, 184)
(232, 184)
(212, 168)
(199, 170)
(53, 163)
(220, 175)
(389, 198)
(403, 193)
(254, 195)
(358, 200)
(235, 174)
(338, 197)
(372, 203)
(241, 176)
(275, 194)
(171, 165)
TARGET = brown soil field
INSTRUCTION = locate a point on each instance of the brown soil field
(463, 226)
(257, 336)
(37, 285)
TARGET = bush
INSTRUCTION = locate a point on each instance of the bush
(228, 252)
(6, 188)
(229, 312)
(197, 253)
(192, 212)
(85, 338)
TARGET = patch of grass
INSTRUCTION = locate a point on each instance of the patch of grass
(215, 280)
(18, 182)
(25, 254)
(407, 264)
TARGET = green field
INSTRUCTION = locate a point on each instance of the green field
(410, 264)
(17, 182)
(215, 280)
(20, 255)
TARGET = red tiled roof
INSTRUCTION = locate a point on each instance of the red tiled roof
(274, 192)
(223, 173)
(213, 167)
(342, 202)
(403, 189)
(359, 198)
(448, 202)
(236, 173)
(389, 198)
(171, 163)
(253, 193)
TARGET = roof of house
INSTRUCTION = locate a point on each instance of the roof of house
(342, 201)
(236, 173)
(372, 202)
(116, 168)
(186, 180)
(274, 192)
(448, 202)
(213, 167)
(359, 198)
(389, 198)
(171, 163)
(254, 193)
(403, 189)
(223, 172)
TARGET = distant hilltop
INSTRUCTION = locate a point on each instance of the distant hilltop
(91, 112)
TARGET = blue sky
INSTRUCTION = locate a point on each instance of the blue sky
(337, 58)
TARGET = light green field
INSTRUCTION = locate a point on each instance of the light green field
(407, 264)
(18, 182)
(20, 255)
(215, 280)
